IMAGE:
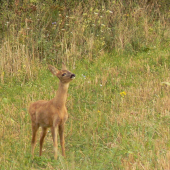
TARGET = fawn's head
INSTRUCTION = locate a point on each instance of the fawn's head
(64, 75)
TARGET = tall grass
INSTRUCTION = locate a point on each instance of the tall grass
(69, 31)
(118, 109)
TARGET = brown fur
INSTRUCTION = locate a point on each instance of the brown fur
(52, 114)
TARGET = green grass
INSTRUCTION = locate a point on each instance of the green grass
(105, 130)
(119, 112)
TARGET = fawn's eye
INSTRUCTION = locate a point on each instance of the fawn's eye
(63, 74)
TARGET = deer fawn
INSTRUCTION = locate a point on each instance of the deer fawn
(52, 113)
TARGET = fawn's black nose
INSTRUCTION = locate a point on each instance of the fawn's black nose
(73, 76)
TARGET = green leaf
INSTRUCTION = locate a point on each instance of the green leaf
(167, 83)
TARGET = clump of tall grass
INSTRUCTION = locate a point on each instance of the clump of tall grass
(54, 31)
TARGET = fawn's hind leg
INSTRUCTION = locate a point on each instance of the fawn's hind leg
(43, 134)
(35, 128)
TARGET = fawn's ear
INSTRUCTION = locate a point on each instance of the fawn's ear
(64, 66)
(53, 70)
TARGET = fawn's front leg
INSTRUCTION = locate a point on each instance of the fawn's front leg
(54, 136)
(62, 141)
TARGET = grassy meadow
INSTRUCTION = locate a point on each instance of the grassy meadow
(119, 103)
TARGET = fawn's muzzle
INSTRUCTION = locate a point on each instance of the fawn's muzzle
(73, 76)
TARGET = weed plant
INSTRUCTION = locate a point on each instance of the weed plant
(119, 112)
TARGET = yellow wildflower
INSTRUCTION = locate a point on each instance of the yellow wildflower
(123, 93)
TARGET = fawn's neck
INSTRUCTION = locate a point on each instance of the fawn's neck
(61, 95)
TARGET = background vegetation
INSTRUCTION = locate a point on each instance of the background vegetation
(119, 109)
